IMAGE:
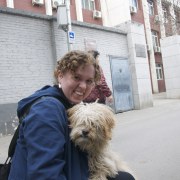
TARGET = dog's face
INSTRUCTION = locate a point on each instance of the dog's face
(91, 125)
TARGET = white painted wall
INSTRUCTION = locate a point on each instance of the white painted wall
(115, 12)
(79, 10)
(139, 66)
(170, 47)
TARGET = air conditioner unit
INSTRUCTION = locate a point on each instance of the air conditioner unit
(157, 19)
(157, 49)
(96, 14)
(37, 2)
(133, 9)
(56, 3)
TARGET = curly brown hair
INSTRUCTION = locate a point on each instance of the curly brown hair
(94, 53)
(73, 60)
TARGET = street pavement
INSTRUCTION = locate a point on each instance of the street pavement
(147, 139)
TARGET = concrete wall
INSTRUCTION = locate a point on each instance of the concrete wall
(30, 45)
(138, 61)
(170, 47)
(115, 12)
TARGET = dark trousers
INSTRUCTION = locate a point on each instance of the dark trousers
(123, 176)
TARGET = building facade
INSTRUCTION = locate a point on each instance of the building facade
(161, 18)
(86, 11)
(31, 42)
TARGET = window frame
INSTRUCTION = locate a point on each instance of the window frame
(159, 71)
(150, 7)
(88, 4)
(155, 38)
(165, 14)
(133, 3)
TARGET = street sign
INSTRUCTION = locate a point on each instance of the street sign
(71, 36)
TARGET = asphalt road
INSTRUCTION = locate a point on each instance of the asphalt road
(148, 140)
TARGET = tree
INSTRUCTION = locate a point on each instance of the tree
(169, 15)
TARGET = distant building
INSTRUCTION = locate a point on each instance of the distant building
(161, 18)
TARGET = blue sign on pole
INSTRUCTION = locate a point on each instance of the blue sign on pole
(71, 36)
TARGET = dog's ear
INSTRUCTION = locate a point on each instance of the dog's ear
(109, 116)
(108, 133)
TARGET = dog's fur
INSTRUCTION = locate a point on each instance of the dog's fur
(91, 130)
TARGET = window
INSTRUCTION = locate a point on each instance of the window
(133, 3)
(165, 14)
(88, 4)
(177, 15)
(155, 38)
(159, 72)
(150, 7)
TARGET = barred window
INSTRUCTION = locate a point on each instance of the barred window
(133, 3)
(151, 7)
(88, 4)
(159, 71)
(155, 38)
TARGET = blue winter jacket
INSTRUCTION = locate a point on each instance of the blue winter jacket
(44, 150)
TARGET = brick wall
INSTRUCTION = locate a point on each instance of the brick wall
(26, 5)
(30, 45)
(26, 56)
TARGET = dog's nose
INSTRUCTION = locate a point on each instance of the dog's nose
(85, 132)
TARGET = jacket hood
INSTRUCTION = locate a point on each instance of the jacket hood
(45, 91)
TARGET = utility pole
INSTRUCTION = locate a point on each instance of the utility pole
(64, 20)
(69, 27)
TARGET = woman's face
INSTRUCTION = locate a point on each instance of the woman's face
(77, 86)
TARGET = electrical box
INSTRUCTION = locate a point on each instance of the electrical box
(62, 19)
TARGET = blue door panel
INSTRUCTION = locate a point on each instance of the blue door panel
(121, 83)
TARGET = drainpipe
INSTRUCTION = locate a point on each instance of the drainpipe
(150, 43)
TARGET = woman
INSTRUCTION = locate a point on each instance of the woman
(44, 150)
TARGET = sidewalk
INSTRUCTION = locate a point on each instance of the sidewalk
(159, 100)
(4, 144)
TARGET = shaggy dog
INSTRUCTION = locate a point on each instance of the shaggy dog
(91, 130)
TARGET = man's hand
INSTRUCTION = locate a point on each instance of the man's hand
(109, 99)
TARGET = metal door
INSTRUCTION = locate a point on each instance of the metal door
(121, 83)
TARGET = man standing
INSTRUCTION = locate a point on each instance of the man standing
(101, 91)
